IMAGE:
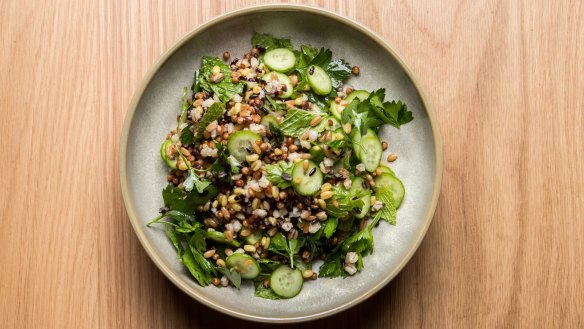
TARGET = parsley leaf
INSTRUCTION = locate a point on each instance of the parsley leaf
(330, 226)
(263, 292)
(347, 201)
(332, 266)
(298, 121)
(193, 180)
(214, 112)
(225, 89)
(339, 70)
(275, 172)
(178, 199)
(268, 41)
(187, 137)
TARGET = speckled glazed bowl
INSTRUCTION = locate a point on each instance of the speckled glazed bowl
(153, 113)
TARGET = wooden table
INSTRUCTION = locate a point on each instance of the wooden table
(506, 79)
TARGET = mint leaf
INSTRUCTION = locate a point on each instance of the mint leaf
(347, 201)
(225, 89)
(178, 199)
(187, 137)
(298, 121)
(267, 41)
(275, 172)
(339, 71)
(388, 212)
(214, 112)
(188, 259)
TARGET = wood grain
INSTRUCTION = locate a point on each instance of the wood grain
(504, 250)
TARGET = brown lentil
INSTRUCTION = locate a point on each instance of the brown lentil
(356, 70)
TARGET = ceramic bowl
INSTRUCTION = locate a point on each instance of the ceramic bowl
(157, 102)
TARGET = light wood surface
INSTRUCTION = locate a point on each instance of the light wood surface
(504, 251)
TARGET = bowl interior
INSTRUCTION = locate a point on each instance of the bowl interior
(160, 102)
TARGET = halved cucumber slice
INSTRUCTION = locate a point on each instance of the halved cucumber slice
(286, 282)
(244, 264)
(240, 144)
(359, 184)
(306, 182)
(396, 185)
(386, 170)
(280, 59)
(221, 238)
(164, 154)
(336, 109)
(319, 80)
(359, 94)
(270, 121)
(277, 79)
(368, 149)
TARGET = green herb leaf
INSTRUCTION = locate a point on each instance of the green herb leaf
(330, 226)
(297, 122)
(188, 259)
(275, 172)
(268, 42)
(174, 238)
(214, 112)
(339, 71)
(225, 89)
(263, 292)
(187, 137)
(347, 200)
(332, 266)
(388, 212)
(233, 276)
(178, 199)
(193, 180)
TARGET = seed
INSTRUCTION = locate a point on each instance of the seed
(249, 248)
(226, 55)
(292, 148)
(315, 121)
(266, 242)
(384, 145)
(321, 215)
(272, 231)
(217, 78)
(216, 281)
(283, 195)
(326, 195)
(378, 171)
(326, 187)
(293, 79)
(275, 192)
(305, 165)
(305, 156)
(209, 253)
(256, 118)
(245, 232)
(356, 70)
(348, 90)
(307, 274)
(228, 252)
(312, 171)
(266, 283)
(239, 183)
(182, 166)
(236, 207)
(314, 276)
(185, 152)
(256, 166)
(321, 203)
(232, 199)
(220, 262)
(216, 69)
(255, 203)
(305, 214)
(235, 80)
(229, 236)
(392, 157)
(264, 146)
(347, 128)
(252, 158)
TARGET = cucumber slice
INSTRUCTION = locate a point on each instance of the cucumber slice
(368, 149)
(306, 182)
(280, 60)
(336, 109)
(270, 122)
(277, 79)
(386, 170)
(254, 237)
(319, 80)
(359, 184)
(396, 185)
(359, 94)
(221, 238)
(286, 282)
(163, 153)
(240, 144)
(244, 264)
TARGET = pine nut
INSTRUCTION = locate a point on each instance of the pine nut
(315, 121)
(392, 157)
(209, 253)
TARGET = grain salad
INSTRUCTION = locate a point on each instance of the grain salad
(275, 164)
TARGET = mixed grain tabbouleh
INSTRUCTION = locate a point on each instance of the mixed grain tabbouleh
(275, 164)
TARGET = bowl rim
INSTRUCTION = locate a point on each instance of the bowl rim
(137, 225)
